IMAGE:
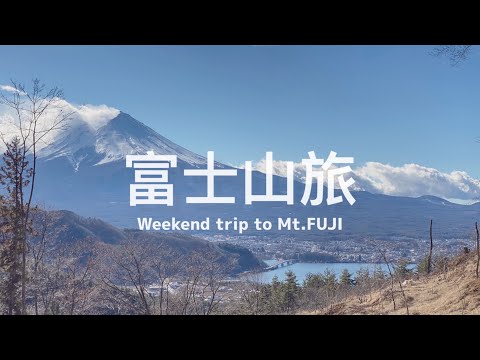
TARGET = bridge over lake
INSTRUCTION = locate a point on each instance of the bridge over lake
(280, 264)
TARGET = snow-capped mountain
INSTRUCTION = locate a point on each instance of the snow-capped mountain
(83, 169)
(82, 143)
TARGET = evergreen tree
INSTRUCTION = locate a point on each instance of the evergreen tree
(422, 266)
(274, 296)
(346, 278)
(401, 269)
(329, 282)
(290, 292)
(30, 108)
(362, 277)
(14, 177)
(275, 283)
(313, 281)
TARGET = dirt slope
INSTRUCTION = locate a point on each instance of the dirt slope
(456, 291)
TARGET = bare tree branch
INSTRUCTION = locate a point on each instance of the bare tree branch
(455, 53)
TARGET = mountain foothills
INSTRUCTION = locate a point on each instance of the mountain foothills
(83, 169)
(67, 228)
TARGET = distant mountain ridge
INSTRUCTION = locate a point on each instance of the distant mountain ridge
(83, 170)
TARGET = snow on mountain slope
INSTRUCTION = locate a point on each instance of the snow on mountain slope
(84, 118)
(124, 135)
(120, 136)
(72, 144)
(97, 135)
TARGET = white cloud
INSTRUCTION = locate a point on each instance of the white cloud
(416, 180)
(10, 89)
(95, 116)
(407, 180)
(91, 116)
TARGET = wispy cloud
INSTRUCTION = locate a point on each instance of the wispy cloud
(11, 89)
(93, 116)
(407, 180)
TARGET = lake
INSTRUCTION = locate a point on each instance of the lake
(302, 269)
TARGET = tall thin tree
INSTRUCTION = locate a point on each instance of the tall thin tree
(36, 112)
(15, 174)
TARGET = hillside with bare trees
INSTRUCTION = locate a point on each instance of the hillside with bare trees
(455, 289)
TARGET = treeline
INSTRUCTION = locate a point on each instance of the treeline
(316, 292)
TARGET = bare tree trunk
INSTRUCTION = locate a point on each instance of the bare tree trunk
(478, 249)
(429, 262)
(25, 230)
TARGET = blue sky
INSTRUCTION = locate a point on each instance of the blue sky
(391, 104)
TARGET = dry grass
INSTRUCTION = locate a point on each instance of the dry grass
(456, 291)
